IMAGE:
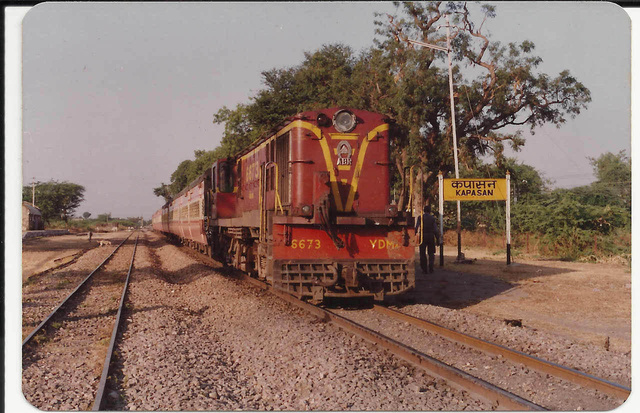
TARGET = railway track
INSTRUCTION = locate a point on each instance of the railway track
(79, 321)
(559, 378)
(479, 388)
(69, 297)
(534, 363)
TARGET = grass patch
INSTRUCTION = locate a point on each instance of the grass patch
(581, 246)
(40, 338)
(105, 341)
(62, 284)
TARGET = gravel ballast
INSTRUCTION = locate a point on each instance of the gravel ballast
(61, 368)
(195, 340)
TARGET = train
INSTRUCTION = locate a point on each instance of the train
(306, 208)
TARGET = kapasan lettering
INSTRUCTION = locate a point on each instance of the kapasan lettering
(473, 184)
(474, 192)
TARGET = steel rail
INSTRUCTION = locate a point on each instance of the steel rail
(483, 390)
(547, 367)
(99, 400)
(73, 293)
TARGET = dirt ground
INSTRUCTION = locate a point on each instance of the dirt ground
(45, 253)
(584, 302)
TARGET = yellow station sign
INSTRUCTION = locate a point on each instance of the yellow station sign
(474, 189)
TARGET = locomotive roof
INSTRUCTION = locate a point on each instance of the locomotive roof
(299, 116)
(267, 135)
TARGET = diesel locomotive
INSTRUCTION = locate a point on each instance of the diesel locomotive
(306, 208)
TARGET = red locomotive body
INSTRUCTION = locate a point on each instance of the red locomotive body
(306, 208)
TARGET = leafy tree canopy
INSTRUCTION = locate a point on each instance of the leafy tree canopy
(188, 171)
(55, 199)
(104, 217)
(613, 173)
(499, 90)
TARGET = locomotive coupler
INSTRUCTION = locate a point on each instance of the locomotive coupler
(350, 275)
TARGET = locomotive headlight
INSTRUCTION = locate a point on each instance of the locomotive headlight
(344, 121)
(306, 210)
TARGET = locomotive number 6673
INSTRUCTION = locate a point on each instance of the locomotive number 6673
(306, 208)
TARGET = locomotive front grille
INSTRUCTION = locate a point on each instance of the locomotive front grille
(344, 278)
(315, 273)
(395, 277)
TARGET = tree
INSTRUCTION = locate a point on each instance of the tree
(104, 217)
(55, 199)
(188, 171)
(527, 185)
(499, 91)
(86, 215)
(613, 173)
(498, 88)
(164, 191)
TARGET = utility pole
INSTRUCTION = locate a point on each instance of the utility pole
(453, 122)
(33, 192)
(455, 138)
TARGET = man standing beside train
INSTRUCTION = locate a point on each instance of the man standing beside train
(429, 237)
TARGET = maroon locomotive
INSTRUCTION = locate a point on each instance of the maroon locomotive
(306, 208)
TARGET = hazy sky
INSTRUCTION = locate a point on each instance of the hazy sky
(116, 95)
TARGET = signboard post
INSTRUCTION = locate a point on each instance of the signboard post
(508, 218)
(441, 205)
(478, 189)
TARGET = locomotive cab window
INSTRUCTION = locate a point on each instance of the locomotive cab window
(225, 184)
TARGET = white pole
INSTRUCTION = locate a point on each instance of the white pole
(455, 139)
(453, 113)
(508, 218)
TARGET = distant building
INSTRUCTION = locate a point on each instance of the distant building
(31, 217)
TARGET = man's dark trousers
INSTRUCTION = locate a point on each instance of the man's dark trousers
(428, 246)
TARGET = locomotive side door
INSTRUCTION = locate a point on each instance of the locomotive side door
(282, 158)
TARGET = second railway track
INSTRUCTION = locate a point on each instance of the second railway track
(505, 378)
(68, 352)
(542, 383)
